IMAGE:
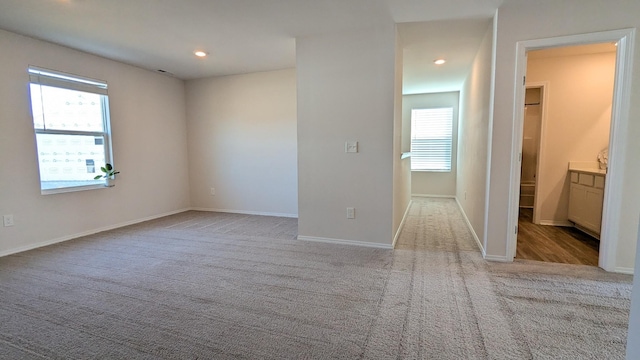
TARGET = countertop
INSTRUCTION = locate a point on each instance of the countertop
(586, 167)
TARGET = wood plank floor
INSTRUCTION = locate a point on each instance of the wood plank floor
(554, 243)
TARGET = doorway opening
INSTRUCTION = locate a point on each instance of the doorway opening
(577, 121)
(547, 155)
(531, 137)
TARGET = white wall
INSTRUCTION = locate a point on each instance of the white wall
(633, 338)
(346, 92)
(525, 20)
(578, 118)
(242, 142)
(149, 147)
(434, 182)
(401, 167)
(473, 137)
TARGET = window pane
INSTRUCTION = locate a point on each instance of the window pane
(36, 107)
(69, 160)
(63, 109)
(431, 139)
(71, 123)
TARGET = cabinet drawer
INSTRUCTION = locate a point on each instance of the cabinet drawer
(599, 182)
(585, 179)
(574, 177)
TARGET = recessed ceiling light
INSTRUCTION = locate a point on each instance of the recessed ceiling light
(439, 61)
(200, 53)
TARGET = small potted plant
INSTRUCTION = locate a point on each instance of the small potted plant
(109, 175)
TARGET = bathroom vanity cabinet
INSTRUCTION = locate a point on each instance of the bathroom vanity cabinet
(586, 194)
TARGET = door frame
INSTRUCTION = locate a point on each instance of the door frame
(617, 141)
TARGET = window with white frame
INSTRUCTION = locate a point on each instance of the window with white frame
(431, 139)
(72, 130)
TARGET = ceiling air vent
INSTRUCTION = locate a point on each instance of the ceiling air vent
(165, 72)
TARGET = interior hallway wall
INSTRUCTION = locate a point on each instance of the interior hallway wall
(242, 142)
(473, 137)
(401, 167)
(525, 20)
(437, 183)
(346, 93)
(633, 338)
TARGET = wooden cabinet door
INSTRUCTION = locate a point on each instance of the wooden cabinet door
(577, 202)
(585, 206)
(593, 202)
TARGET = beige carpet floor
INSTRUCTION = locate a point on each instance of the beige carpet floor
(224, 286)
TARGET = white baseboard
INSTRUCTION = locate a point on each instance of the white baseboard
(247, 212)
(345, 242)
(473, 232)
(404, 218)
(434, 196)
(624, 270)
(86, 233)
(496, 258)
(556, 223)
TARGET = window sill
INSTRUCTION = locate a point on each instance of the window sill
(73, 189)
(433, 171)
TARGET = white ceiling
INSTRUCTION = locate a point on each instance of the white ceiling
(456, 41)
(244, 36)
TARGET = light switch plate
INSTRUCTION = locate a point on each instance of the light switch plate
(351, 147)
(351, 213)
(7, 220)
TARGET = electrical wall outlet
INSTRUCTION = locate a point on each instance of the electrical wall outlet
(351, 147)
(7, 220)
(351, 213)
(212, 192)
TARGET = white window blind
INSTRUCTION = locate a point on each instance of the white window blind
(431, 139)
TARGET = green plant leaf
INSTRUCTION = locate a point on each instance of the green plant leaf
(103, 169)
(97, 177)
(109, 167)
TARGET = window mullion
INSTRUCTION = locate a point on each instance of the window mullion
(68, 132)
